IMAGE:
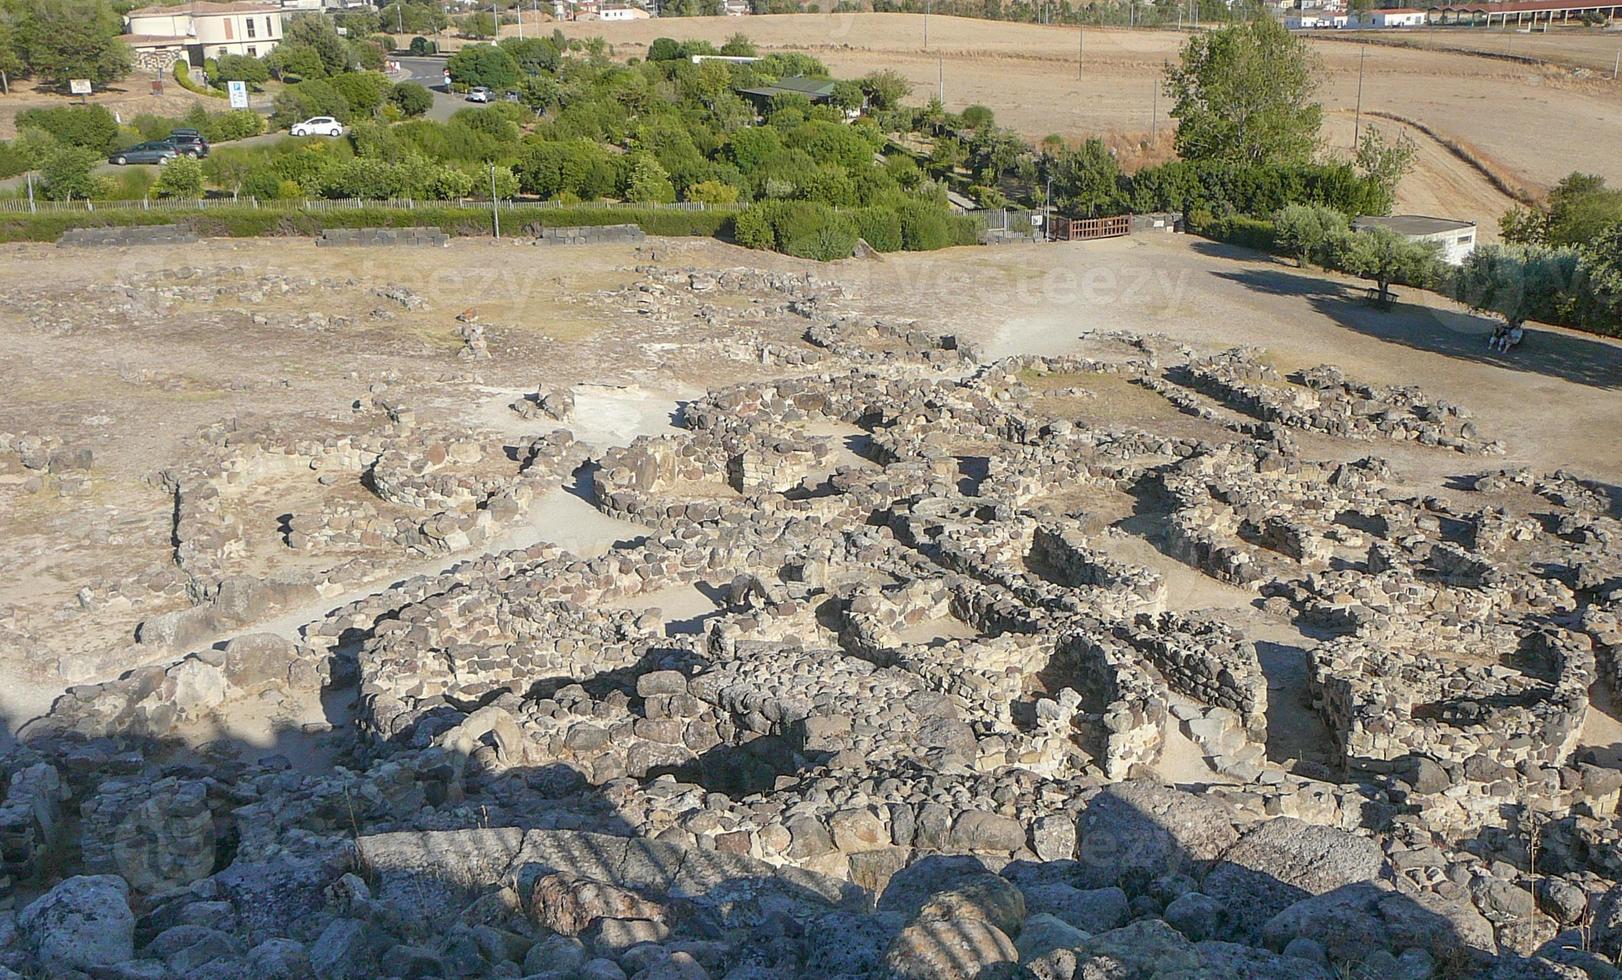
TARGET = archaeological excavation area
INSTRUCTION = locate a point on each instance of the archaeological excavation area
(663, 610)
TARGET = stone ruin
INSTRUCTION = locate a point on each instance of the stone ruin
(953, 709)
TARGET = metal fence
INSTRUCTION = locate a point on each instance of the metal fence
(342, 204)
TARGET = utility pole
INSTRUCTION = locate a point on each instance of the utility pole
(940, 79)
(495, 206)
(32, 208)
(1081, 41)
(1616, 67)
(1357, 124)
(1154, 115)
(927, 6)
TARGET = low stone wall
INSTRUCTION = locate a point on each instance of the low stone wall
(591, 235)
(383, 236)
(126, 235)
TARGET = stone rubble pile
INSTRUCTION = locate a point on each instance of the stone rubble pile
(932, 719)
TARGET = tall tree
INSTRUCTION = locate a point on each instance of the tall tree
(58, 40)
(1244, 94)
(1385, 257)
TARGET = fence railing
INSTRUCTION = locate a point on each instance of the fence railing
(1080, 229)
(341, 204)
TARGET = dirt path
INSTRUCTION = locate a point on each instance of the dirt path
(1440, 184)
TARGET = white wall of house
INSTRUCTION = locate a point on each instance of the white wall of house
(253, 33)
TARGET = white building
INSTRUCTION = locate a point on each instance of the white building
(620, 11)
(1456, 239)
(1394, 17)
(1316, 20)
(160, 36)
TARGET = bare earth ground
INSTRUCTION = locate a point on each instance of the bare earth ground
(1522, 119)
(1595, 50)
(135, 375)
(126, 99)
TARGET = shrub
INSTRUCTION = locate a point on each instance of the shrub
(68, 172)
(364, 91)
(181, 177)
(87, 127)
(183, 76)
(412, 98)
(712, 192)
(924, 228)
(483, 64)
(1238, 229)
(302, 100)
(422, 46)
(801, 228)
(880, 228)
(14, 158)
(241, 68)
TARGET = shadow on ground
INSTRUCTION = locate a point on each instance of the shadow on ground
(1451, 333)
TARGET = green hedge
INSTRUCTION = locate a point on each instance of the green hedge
(249, 222)
(1235, 229)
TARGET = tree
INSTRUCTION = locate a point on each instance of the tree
(647, 182)
(1385, 164)
(240, 68)
(976, 117)
(311, 48)
(532, 54)
(58, 40)
(11, 61)
(483, 64)
(738, 46)
(477, 25)
(1306, 231)
(316, 97)
(1086, 180)
(1384, 257)
(1520, 282)
(68, 172)
(1244, 94)
(664, 49)
(365, 91)
(413, 18)
(181, 177)
(886, 88)
(90, 127)
(411, 98)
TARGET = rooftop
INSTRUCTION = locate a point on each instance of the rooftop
(816, 88)
(204, 8)
(1413, 224)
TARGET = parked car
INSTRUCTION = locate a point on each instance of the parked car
(319, 126)
(478, 93)
(189, 142)
(152, 151)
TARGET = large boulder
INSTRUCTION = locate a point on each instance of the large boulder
(951, 949)
(1090, 909)
(1132, 832)
(83, 923)
(986, 897)
(1350, 922)
(1279, 862)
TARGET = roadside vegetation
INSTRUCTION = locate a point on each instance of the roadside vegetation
(569, 123)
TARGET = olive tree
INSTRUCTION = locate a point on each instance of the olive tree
(1306, 231)
(1385, 257)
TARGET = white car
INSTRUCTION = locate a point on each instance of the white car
(478, 93)
(319, 126)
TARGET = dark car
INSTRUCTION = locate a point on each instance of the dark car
(152, 151)
(189, 142)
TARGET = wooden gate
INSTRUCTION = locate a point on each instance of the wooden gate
(1082, 229)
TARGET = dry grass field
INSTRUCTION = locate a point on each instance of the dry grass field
(1519, 120)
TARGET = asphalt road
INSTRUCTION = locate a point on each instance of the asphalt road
(430, 72)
